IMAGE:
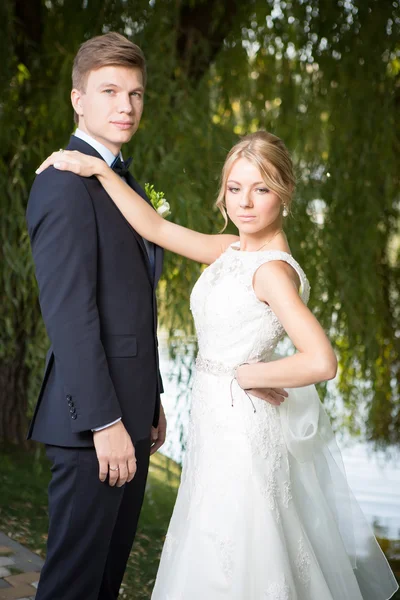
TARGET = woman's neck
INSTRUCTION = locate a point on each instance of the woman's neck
(250, 243)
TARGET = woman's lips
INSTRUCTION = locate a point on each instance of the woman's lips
(246, 218)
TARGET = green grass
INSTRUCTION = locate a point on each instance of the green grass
(23, 515)
(161, 491)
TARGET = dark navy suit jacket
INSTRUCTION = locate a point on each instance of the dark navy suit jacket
(97, 296)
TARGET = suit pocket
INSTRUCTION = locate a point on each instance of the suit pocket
(120, 345)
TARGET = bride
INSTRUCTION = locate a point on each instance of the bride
(263, 511)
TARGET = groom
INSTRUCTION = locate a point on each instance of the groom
(99, 410)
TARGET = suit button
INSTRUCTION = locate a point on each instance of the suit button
(70, 403)
(68, 397)
(72, 410)
(74, 416)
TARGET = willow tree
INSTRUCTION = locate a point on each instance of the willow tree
(322, 75)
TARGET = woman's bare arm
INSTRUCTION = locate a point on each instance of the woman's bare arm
(276, 283)
(144, 219)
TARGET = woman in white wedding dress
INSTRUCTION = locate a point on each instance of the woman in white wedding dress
(263, 510)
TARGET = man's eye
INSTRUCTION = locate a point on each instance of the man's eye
(137, 94)
(109, 91)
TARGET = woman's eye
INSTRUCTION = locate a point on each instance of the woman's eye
(234, 190)
(262, 190)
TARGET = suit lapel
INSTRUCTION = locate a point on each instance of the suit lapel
(158, 251)
(135, 186)
(76, 143)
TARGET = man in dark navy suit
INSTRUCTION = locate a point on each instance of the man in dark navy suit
(99, 410)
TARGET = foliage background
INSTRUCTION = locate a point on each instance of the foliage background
(322, 74)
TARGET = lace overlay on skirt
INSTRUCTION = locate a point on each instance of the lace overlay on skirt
(255, 517)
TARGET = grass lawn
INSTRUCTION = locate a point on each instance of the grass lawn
(23, 515)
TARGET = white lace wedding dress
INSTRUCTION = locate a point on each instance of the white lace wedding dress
(263, 510)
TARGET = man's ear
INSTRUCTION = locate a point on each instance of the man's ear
(76, 100)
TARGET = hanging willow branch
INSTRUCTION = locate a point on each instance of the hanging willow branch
(324, 76)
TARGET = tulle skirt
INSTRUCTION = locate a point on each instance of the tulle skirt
(264, 511)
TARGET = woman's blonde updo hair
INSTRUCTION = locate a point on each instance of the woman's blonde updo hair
(269, 154)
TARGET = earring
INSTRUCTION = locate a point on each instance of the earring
(285, 211)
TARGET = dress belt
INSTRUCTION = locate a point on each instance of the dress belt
(216, 368)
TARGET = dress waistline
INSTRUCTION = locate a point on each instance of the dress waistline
(214, 367)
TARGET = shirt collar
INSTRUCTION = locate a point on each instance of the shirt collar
(104, 152)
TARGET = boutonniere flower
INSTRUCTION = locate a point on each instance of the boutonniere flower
(158, 200)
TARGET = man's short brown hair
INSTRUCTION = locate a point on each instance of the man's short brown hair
(110, 49)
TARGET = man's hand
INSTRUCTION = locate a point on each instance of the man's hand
(274, 396)
(158, 434)
(116, 454)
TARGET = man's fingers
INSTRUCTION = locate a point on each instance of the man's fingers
(154, 440)
(154, 434)
(131, 464)
(113, 474)
(156, 446)
(103, 469)
(158, 438)
(123, 474)
(115, 453)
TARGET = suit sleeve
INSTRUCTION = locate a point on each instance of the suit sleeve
(62, 229)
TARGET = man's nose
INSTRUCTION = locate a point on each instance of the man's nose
(125, 105)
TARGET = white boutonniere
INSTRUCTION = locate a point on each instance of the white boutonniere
(158, 200)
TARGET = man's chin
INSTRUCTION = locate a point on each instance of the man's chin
(113, 139)
(122, 136)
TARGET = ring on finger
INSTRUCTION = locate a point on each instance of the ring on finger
(114, 468)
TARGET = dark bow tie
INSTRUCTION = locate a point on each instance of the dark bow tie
(121, 167)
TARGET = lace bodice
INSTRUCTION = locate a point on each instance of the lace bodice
(263, 505)
(232, 325)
